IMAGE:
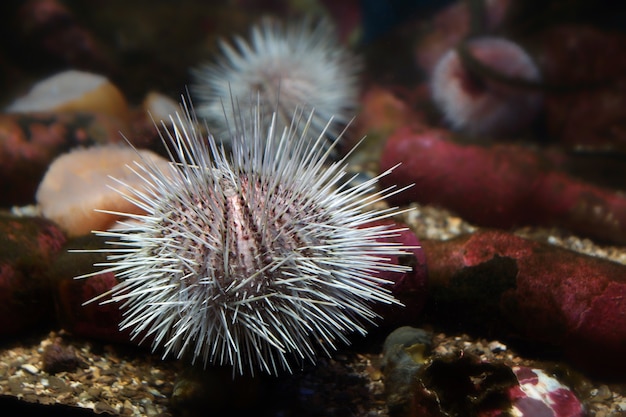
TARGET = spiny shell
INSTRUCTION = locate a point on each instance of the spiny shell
(253, 258)
(287, 66)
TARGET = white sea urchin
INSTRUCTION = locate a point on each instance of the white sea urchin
(251, 259)
(302, 62)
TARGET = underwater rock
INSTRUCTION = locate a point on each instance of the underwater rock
(160, 107)
(29, 143)
(73, 91)
(410, 288)
(496, 282)
(347, 16)
(499, 185)
(460, 385)
(382, 110)
(28, 246)
(94, 320)
(484, 185)
(91, 320)
(59, 357)
(79, 183)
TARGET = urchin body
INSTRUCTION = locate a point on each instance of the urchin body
(251, 259)
(478, 105)
(301, 63)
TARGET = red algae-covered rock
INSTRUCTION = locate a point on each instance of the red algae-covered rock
(501, 185)
(484, 185)
(75, 310)
(410, 288)
(93, 320)
(29, 143)
(498, 282)
(28, 247)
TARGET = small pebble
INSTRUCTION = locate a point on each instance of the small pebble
(59, 358)
(31, 369)
(496, 346)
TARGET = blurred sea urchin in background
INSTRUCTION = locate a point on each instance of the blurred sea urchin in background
(285, 67)
(253, 259)
(484, 88)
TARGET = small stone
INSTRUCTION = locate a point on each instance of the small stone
(30, 368)
(160, 106)
(102, 407)
(496, 346)
(600, 394)
(60, 358)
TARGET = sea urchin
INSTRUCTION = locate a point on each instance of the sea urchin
(302, 62)
(482, 104)
(253, 258)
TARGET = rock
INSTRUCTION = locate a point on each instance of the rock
(410, 288)
(462, 385)
(28, 246)
(30, 142)
(77, 309)
(500, 185)
(59, 357)
(197, 390)
(78, 183)
(73, 91)
(498, 283)
(381, 111)
(405, 351)
(160, 107)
